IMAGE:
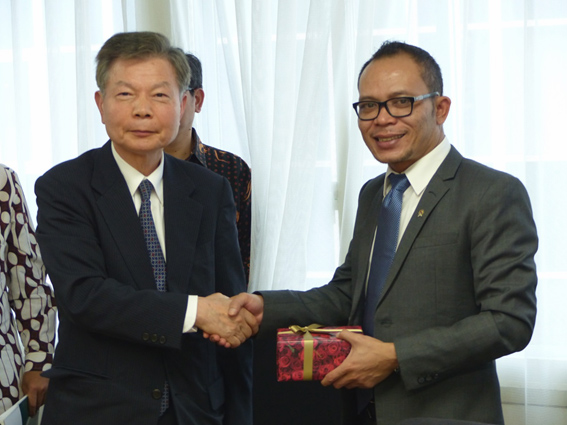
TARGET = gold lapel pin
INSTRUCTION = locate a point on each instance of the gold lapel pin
(420, 213)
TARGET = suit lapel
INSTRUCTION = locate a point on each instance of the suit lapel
(368, 230)
(117, 209)
(183, 217)
(434, 192)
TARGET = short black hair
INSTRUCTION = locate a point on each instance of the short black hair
(140, 45)
(196, 72)
(430, 70)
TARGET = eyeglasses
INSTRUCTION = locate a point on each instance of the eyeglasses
(397, 107)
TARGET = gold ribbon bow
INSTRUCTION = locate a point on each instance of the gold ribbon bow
(307, 348)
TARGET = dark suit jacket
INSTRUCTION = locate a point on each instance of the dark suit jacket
(119, 338)
(460, 293)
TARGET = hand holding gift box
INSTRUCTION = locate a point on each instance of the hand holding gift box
(310, 352)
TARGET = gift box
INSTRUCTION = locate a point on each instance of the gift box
(309, 353)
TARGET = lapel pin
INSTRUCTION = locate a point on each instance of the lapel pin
(420, 213)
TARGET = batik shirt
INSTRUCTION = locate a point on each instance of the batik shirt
(237, 172)
(27, 311)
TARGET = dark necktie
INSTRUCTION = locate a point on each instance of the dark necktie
(156, 256)
(385, 245)
(150, 235)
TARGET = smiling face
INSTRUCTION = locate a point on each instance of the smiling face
(141, 108)
(400, 142)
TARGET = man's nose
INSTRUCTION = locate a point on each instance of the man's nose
(383, 116)
(142, 107)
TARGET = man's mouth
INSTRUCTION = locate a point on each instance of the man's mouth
(142, 132)
(389, 138)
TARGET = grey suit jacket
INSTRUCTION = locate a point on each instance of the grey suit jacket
(119, 338)
(460, 292)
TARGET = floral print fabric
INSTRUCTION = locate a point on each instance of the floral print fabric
(27, 310)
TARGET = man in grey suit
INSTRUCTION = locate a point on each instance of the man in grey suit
(460, 291)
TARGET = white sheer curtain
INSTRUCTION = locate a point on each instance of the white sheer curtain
(279, 78)
(47, 83)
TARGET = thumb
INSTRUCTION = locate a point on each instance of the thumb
(236, 304)
(32, 402)
(348, 336)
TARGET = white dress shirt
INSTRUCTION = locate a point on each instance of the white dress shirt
(133, 179)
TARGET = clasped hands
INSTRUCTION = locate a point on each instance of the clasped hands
(229, 321)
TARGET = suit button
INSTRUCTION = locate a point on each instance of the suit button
(421, 380)
(145, 336)
(154, 337)
(156, 394)
(162, 339)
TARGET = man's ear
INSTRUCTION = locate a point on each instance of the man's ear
(442, 106)
(99, 98)
(199, 99)
(183, 103)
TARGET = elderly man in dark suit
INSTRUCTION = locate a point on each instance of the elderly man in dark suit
(443, 286)
(137, 243)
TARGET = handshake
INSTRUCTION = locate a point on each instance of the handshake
(229, 321)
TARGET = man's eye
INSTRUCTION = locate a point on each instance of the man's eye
(367, 105)
(161, 95)
(400, 101)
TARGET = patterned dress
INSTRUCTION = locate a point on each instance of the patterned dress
(27, 311)
(237, 172)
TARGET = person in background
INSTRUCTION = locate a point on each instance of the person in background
(27, 307)
(440, 271)
(188, 146)
(138, 245)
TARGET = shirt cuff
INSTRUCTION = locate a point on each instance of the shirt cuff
(191, 315)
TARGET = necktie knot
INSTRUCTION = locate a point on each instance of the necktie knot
(399, 182)
(146, 188)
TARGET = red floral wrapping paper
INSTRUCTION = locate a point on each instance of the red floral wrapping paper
(323, 349)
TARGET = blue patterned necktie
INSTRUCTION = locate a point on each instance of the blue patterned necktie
(150, 235)
(385, 246)
(156, 257)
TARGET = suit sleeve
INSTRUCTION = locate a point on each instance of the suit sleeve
(92, 292)
(236, 364)
(328, 305)
(503, 241)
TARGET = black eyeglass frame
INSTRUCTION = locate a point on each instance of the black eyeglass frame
(384, 104)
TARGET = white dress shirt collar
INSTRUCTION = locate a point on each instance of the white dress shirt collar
(420, 173)
(133, 177)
